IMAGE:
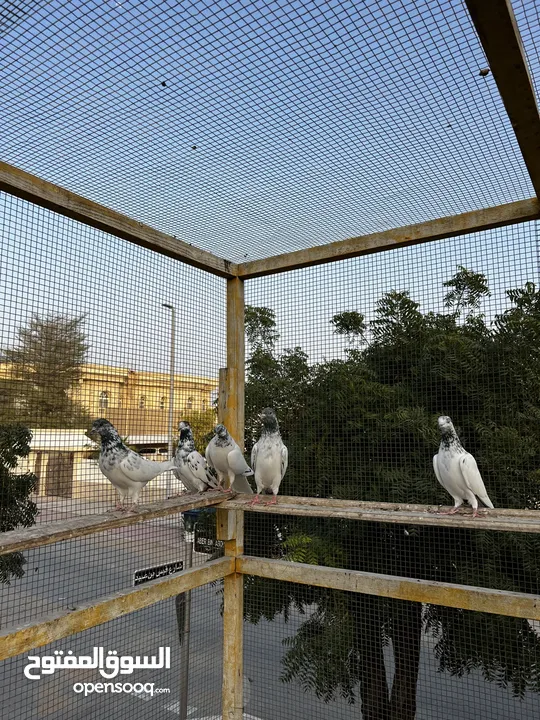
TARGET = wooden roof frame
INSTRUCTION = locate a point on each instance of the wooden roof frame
(497, 29)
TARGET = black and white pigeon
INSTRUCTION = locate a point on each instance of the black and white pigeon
(190, 466)
(269, 457)
(457, 471)
(125, 469)
(224, 455)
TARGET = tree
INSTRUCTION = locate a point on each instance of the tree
(16, 508)
(364, 428)
(351, 324)
(46, 366)
(202, 425)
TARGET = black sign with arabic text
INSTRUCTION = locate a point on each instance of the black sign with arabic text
(147, 574)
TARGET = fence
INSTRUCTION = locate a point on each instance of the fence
(407, 287)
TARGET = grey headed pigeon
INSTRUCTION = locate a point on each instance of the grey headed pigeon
(125, 469)
(224, 455)
(269, 457)
(457, 471)
(190, 466)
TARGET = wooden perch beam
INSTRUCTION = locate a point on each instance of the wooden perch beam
(497, 29)
(40, 192)
(470, 222)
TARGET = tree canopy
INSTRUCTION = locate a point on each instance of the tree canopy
(16, 508)
(46, 365)
(363, 427)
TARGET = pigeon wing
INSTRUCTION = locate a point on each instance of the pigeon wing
(197, 466)
(254, 452)
(139, 469)
(473, 479)
(237, 463)
(436, 468)
(284, 461)
(241, 485)
(208, 453)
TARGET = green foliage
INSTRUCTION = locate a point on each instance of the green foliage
(351, 324)
(260, 323)
(46, 366)
(364, 428)
(202, 424)
(16, 508)
(468, 289)
(313, 550)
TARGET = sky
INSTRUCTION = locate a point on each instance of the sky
(249, 129)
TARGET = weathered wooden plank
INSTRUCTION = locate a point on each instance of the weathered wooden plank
(233, 616)
(53, 532)
(498, 31)
(60, 625)
(40, 192)
(234, 410)
(498, 602)
(506, 520)
(232, 380)
(470, 222)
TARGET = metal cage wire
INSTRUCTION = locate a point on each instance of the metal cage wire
(245, 166)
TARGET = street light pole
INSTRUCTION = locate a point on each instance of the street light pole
(171, 394)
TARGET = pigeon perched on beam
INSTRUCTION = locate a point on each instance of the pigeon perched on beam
(269, 457)
(224, 455)
(125, 469)
(457, 471)
(190, 466)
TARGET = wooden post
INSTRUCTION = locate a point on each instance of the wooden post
(230, 523)
(233, 416)
(230, 529)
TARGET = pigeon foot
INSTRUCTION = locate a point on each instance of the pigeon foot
(255, 500)
(273, 501)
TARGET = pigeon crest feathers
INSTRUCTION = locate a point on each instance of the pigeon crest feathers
(449, 436)
(222, 435)
(269, 421)
(186, 435)
(108, 434)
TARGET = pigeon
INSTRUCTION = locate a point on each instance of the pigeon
(224, 455)
(125, 469)
(457, 471)
(269, 458)
(190, 466)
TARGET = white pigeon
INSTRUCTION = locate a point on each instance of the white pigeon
(190, 466)
(269, 457)
(224, 455)
(125, 469)
(457, 471)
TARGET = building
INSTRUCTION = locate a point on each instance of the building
(137, 402)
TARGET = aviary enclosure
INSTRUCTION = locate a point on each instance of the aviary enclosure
(328, 208)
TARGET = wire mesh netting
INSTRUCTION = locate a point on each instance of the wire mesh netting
(323, 653)
(85, 335)
(83, 693)
(528, 21)
(250, 131)
(359, 358)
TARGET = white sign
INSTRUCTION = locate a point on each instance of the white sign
(109, 667)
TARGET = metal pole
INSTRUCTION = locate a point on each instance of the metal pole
(184, 650)
(171, 395)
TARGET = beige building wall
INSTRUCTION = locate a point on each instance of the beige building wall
(137, 402)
